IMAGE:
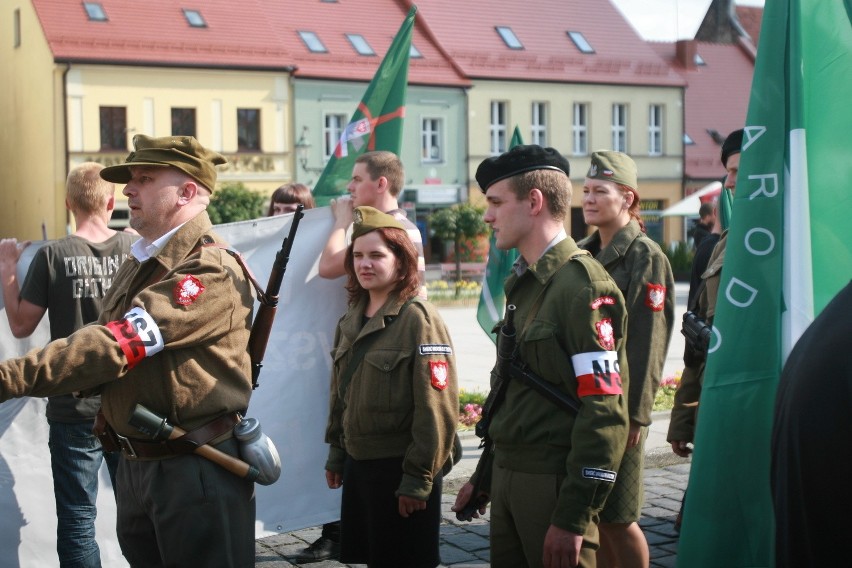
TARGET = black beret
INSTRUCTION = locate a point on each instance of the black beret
(518, 160)
(733, 144)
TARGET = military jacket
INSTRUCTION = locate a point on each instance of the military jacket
(402, 399)
(685, 409)
(575, 340)
(643, 274)
(173, 336)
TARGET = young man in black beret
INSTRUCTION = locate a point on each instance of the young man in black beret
(552, 469)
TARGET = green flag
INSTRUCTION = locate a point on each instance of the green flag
(377, 122)
(788, 254)
(492, 301)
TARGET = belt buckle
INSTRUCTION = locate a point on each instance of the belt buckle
(126, 446)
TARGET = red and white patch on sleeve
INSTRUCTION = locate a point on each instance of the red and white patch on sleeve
(597, 372)
(187, 290)
(602, 301)
(138, 335)
(439, 371)
(606, 336)
(656, 297)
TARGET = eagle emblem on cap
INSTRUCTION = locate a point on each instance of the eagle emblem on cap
(357, 216)
(593, 171)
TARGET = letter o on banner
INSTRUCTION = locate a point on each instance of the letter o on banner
(750, 243)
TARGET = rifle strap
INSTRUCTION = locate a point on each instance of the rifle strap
(261, 293)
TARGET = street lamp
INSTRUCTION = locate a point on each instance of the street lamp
(303, 147)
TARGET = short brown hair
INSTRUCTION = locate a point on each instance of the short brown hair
(384, 164)
(403, 249)
(86, 190)
(553, 184)
(291, 193)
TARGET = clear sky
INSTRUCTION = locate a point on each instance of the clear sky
(668, 20)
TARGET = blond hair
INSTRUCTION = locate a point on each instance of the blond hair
(86, 190)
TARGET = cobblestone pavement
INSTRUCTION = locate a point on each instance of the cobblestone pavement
(465, 545)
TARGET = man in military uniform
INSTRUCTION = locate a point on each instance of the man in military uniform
(172, 336)
(552, 469)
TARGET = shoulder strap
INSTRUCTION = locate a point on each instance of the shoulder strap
(261, 293)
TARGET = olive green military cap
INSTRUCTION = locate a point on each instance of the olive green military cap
(519, 160)
(609, 165)
(366, 219)
(181, 152)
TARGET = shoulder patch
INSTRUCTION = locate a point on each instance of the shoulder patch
(606, 335)
(439, 373)
(602, 301)
(599, 474)
(187, 290)
(435, 349)
(655, 298)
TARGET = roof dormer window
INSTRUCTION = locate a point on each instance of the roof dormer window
(509, 37)
(580, 41)
(414, 53)
(95, 12)
(360, 44)
(194, 18)
(313, 42)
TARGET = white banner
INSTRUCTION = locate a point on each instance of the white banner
(291, 404)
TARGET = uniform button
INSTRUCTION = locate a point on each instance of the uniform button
(387, 367)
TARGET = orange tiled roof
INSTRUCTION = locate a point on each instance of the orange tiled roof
(467, 30)
(251, 34)
(716, 99)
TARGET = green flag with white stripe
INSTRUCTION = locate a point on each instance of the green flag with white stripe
(789, 251)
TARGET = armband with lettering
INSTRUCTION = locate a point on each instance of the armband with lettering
(138, 335)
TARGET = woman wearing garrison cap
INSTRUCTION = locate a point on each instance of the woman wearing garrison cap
(394, 403)
(644, 276)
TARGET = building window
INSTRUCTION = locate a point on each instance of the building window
(360, 44)
(248, 129)
(333, 129)
(498, 127)
(431, 137)
(414, 53)
(580, 41)
(113, 128)
(687, 139)
(619, 127)
(313, 42)
(509, 37)
(194, 18)
(183, 122)
(539, 124)
(580, 129)
(95, 12)
(17, 27)
(655, 130)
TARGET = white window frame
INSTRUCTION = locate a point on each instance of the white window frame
(431, 138)
(498, 127)
(539, 123)
(655, 130)
(333, 125)
(580, 129)
(619, 127)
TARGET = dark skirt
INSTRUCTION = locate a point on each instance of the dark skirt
(371, 529)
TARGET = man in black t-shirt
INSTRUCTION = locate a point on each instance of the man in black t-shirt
(70, 277)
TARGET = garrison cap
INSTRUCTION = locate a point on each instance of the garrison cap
(617, 167)
(181, 152)
(519, 160)
(366, 219)
(733, 144)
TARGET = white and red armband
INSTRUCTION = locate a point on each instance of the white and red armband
(138, 335)
(597, 373)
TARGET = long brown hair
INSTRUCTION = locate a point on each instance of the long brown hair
(633, 210)
(399, 243)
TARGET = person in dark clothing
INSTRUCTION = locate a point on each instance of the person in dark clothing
(703, 226)
(811, 461)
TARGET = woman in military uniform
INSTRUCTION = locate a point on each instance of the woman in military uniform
(394, 403)
(644, 276)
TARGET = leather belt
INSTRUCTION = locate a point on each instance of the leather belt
(136, 448)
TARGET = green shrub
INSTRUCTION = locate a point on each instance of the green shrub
(235, 202)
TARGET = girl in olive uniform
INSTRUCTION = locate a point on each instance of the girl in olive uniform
(394, 403)
(644, 276)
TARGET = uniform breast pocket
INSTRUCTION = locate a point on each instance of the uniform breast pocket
(386, 376)
(542, 352)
